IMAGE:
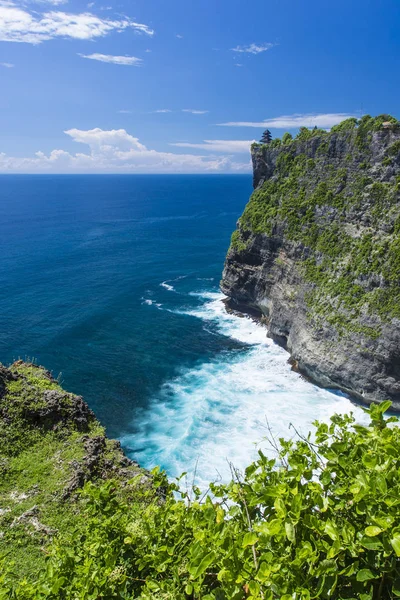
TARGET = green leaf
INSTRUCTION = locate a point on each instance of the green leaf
(326, 477)
(372, 530)
(396, 587)
(350, 570)
(381, 483)
(263, 571)
(254, 588)
(271, 527)
(395, 541)
(280, 507)
(249, 539)
(331, 530)
(384, 406)
(369, 460)
(152, 585)
(290, 531)
(370, 543)
(365, 575)
(327, 566)
(197, 570)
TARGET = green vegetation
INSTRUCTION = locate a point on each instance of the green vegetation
(237, 241)
(346, 125)
(345, 211)
(307, 134)
(321, 520)
(45, 457)
(287, 138)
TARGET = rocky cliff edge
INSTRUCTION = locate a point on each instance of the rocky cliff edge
(317, 253)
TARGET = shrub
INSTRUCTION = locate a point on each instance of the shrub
(287, 138)
(346, 125)
(322, 520)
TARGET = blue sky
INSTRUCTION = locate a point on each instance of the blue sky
(83, 84)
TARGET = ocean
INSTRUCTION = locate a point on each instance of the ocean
(113, 281)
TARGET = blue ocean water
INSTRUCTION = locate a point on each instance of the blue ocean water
(113, 281)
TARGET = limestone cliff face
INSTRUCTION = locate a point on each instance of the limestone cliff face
(317, 252)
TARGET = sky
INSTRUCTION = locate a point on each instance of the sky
(178, 86)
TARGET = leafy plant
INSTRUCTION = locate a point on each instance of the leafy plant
(321, 520)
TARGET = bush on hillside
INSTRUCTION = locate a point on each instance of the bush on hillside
(322, 520)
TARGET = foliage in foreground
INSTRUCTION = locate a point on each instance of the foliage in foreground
(50, 445)
(320, 521)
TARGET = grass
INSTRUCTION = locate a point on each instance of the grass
(38, 458)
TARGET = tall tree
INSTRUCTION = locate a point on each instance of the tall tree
(266, 137)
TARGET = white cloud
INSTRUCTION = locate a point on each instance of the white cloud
(116, 151)
(230, 146)
(53, 2)
(325, 120)
(238, 65)
(7, 65)
(98, 140)
(195, 112)
(254, 48)
(124, 112)
(115, 60)
(162, 110)
(180, 37)
(18, 25)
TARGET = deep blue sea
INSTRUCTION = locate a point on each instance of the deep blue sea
(113, 281)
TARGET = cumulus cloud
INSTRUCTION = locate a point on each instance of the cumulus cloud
(7, 65)
(19, 25)
(117, 151)
(325, 120)
(194, 111)
(99, 139)
(254, 48)
(115, 60)
(162, 110)
(230, 146)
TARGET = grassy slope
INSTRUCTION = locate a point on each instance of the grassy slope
(41, 451)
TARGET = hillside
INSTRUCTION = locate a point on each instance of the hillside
(51, 446)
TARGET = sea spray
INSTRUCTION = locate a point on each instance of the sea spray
(220, 412)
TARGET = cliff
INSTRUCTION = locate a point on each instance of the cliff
(317, 253)
(51, 446)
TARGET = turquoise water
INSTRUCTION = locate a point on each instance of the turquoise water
(113, 281)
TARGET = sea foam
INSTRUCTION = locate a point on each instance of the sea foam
(221, 411)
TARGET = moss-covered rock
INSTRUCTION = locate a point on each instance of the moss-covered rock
(51, 445)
